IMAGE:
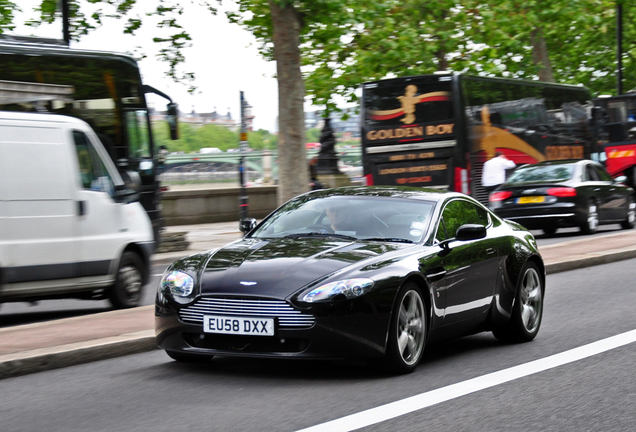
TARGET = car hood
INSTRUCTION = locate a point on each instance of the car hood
(279, 267)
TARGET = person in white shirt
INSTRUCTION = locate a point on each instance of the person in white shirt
(494, 172)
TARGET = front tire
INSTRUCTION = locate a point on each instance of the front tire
(407, 331)
(590, 225)
(631, 216)
(126, 292)
(527, 311)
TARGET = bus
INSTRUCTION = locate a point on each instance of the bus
(438, 130)
(104, 89)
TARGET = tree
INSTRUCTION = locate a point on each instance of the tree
(571, 42)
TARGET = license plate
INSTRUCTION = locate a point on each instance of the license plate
(530, 200)
(238, 325)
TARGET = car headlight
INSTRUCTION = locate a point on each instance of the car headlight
(350, 288)
(179, 284)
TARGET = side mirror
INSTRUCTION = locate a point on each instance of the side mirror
(172, 118)
(129, 191)
(620, 179)
(246, 225)
(470, 232)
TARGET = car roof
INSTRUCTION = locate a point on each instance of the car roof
(386, 191)
(559, 162)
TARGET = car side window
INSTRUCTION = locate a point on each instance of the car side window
(590, 174)
(93, 173)
(457, 213)
(602, 174)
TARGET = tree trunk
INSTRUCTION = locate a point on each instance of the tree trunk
(540, 55)
(292, 156)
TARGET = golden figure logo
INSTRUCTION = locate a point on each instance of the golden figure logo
(408, 102)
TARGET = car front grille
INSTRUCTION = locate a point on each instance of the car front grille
(286, 316)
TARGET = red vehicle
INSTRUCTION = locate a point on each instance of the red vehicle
(615, 119)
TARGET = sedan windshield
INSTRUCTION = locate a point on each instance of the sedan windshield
(539, 173)
(350, 218)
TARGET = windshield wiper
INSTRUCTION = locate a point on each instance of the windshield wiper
(389, 239)
(317, 234)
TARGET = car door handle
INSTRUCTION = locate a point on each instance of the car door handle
(490, 251)
(81, 208)
(597, 189)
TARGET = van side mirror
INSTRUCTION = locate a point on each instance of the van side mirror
(246, 225)
(129, 191)
(172, 118)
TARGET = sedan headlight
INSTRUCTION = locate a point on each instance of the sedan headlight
(350, 288)
(179, 284)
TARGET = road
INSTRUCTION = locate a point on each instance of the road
(25, 313)
(150, 392)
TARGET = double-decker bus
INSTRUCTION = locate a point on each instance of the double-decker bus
(438, 130)
(104, 89)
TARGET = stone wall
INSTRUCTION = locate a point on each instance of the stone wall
(185, 207)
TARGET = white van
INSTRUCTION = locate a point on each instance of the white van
(69, 226)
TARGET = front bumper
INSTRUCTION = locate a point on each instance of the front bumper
(342, 332)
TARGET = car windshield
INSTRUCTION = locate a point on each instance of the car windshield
(537, 173)
(350, 218)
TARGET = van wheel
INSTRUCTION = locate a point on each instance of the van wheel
(126, 292)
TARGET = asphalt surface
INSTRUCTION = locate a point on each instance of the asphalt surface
(61, 343)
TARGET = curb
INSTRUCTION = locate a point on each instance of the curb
(44, 359)
(590, 261)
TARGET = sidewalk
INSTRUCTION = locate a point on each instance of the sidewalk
(66, 342)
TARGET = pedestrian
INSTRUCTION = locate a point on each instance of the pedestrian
(314, 183)
(494, 172)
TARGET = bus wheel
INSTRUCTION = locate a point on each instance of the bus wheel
(126, 292)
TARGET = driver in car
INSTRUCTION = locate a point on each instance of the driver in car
(340, 217)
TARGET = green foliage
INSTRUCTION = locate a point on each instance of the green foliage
(7, 8)
(313, 135)
(192, 138)
(345, 43)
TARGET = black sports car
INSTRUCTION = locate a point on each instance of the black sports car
(356, 272)
(569, 193)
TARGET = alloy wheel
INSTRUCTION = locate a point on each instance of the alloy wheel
(411, 328)
(531, 298)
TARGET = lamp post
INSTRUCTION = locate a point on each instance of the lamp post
(619, 47)
(243, 199)
(66, 22)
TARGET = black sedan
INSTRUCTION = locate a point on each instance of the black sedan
(558, 194)
(356, 272)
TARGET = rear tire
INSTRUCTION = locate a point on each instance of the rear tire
(590, 225)
(631, 215)
(549, 231)
(126, 292)
(407, 331)
(188, 358)
(527, 311)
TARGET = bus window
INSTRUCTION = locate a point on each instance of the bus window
(137, 126)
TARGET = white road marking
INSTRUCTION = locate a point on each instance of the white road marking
(414, 403)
